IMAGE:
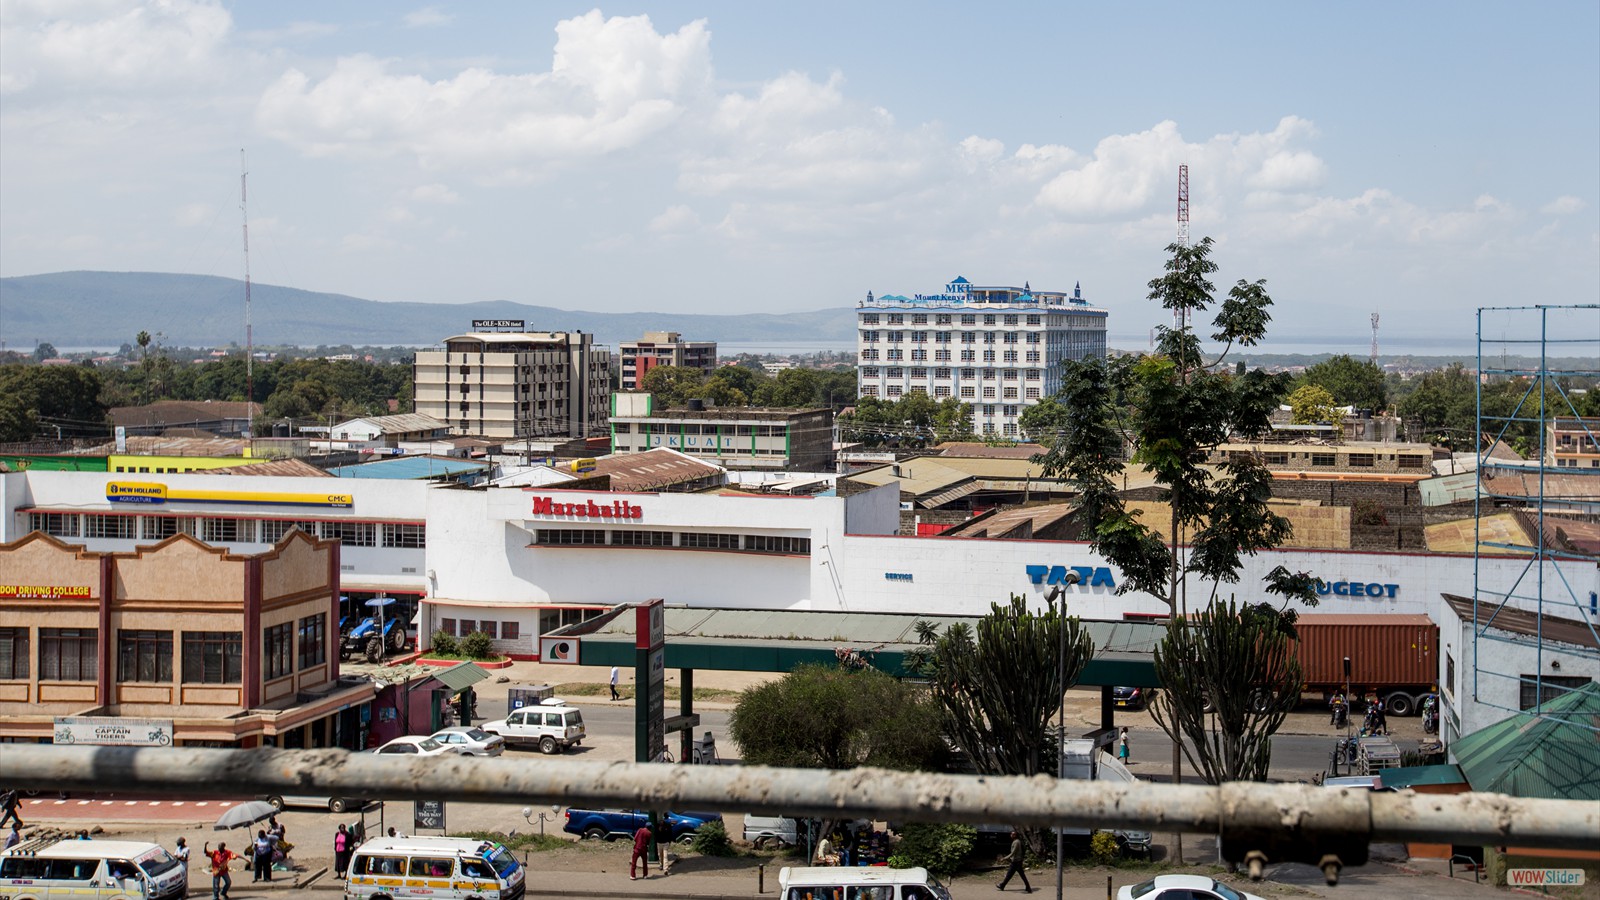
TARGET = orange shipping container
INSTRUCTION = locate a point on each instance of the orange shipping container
(1387, 652)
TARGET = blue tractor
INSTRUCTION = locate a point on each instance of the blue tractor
(374, 637)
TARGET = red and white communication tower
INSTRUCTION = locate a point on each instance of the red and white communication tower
(1183, 205)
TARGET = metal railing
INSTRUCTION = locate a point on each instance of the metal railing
(1272, 822)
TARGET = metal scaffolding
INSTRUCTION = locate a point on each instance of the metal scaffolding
(1533, 362)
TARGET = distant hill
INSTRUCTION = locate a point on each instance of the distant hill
(106, 309)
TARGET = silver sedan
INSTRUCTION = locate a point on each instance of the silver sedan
(470, 740)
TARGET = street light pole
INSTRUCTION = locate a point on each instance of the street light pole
(1058, 595)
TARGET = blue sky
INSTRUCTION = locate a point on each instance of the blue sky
(1419, 160)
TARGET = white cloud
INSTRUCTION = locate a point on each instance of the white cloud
(613, 83)
(111, 45)
(1564, 205)
(427, 17)
(434, 193)
(675, 219)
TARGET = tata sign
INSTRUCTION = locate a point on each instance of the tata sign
(1092, 576)
(588, 509)
(1373, 589)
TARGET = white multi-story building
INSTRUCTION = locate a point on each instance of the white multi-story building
(515, 384)
(997, 348)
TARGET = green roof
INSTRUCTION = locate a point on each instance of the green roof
(1552, 751)
(461, 676)
(1411, 776)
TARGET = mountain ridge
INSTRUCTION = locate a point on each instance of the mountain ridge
(97, 308)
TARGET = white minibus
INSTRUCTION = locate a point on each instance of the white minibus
(112, 870)
(437, 868)
(860, 883)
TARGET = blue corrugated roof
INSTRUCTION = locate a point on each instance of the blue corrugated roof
(409, 467)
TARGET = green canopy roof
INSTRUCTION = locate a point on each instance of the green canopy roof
(1411, 776)
(1554, 754)
(461, 676)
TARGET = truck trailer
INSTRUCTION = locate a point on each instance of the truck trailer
(1395, 657)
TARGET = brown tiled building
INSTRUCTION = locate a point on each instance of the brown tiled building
(177, 642)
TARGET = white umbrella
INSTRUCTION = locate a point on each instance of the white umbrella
(245, 814)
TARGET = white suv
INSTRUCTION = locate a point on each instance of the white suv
(552, 726)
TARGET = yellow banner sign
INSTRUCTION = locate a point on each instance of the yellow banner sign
(154, 492)
(43, 591)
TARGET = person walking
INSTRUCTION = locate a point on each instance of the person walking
(663, 834)
(12, 839)
(263, 857)
(181, 854)
(1122, 746)
(1015, 858)
(641, 852)
(221, 879)
(8, 809)
(341, 851)
(614, 676)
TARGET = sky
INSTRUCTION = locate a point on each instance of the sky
(1417, 160)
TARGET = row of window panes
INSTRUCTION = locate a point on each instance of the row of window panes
(501, 631)
(944, 337)
(695, 428)
(224, 531)
(922, 372)
(758, 543)
(145, 655)
(948, 319)
(1356, 460)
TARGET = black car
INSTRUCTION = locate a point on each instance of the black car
(1131, 697)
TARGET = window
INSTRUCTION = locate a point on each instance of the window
(969, 337)
(869, 390)
(941, 355)
(212, 657)
(969, 373)
(1033, 393)
(919, 354)
(919, 337)
(919, 319)
(1361, 460)
(896, 319)
(112, 527)
(403, 535)
(941, 372)
(14, 654)
(895, 354)
(1322, 459)
(894, 390)
(969, 320)
(313, 640)
(1033, 337)
(896, 372)
(570, 536)
(941, 320)
(766, 544)
(1011, 393)
(510, 631)
(351, 534)
(144, 656)
(1010, 375)
(1011, 320)
(1033, 356)
(1449, 685)
(430, 867)
(1033, 320)
(1411, 461)
(968, 355)
(273, 530)
(1548, 687)
(468, 626)
(919, 372)
(942, 337)
(869, 319)
(967, 391)
(988, 337)
(55, 524)
(988, 356)
(988, 393)
(1011, 336)
(988, 320)
(1010, 410)
(941, 391)
(869, 371)
(1010, 356)
(159, 528)
(708, 541)
(226, 531)
(489, 628)
(1275, 458)
(1034, 374)
(69, 654)
(277, 650)
(1010, 428)
(448, 626)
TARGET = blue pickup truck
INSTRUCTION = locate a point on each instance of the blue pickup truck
(611, 824)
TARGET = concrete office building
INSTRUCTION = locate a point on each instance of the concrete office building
(997, 348)
(515, 384)
(663, 348)
(735, 438)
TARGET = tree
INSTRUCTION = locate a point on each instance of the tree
(44, 351)
(1311, 404)
(791, 389)
(1443, 407)
(1175, 407)
(67, 397)
(143, 340)
(672, 385)
(1352, 382)
(997, 685)
(825, 717)
(1241, 660)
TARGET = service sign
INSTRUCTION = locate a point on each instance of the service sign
(427, 814)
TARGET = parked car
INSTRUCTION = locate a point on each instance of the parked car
(417, 746)
(1182, 887)
(551, 726)
(470, 740)
(315, 801)
(1131, 697)
(611, 824)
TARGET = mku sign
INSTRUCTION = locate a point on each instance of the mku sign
(616, 509)
(1089, 576)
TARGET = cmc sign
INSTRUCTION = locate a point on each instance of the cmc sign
(1372, 589)
(588, 509)
(1091, 576)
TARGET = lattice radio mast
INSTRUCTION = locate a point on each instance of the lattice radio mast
(1374, 358)
(1180, 318)
(249, 336)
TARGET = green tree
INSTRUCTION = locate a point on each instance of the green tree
(17, 419)
(64, 397)
(1352, 382)
(44, 351)
(1243, 661)
(743, 379)
(998, 684)
(1042, 421)
(672, 385)
(824, 717)
(1179, 407)
(791, 389)
(1443, 407)
(143, 340)
(1310, 404)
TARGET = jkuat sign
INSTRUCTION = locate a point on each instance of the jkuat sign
(586, 509)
